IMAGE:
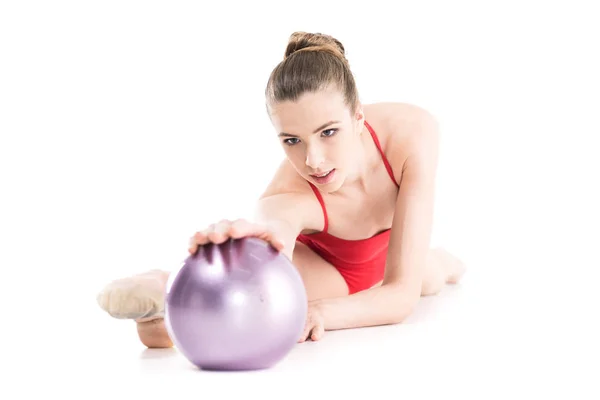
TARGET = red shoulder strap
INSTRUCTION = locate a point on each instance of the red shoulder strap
(385, 160)
(320, 198)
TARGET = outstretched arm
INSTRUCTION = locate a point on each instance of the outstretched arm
(279, 214)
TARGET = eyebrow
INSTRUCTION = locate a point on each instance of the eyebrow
(325, 125)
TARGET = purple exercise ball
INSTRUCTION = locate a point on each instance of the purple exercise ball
(239, 305)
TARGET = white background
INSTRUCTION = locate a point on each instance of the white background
(118, 120)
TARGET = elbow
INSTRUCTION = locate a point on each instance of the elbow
(400, 313)
(403, 303)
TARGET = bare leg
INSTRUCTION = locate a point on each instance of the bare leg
(153, 333)
(441, 268)
(140, 298)
(321, 279)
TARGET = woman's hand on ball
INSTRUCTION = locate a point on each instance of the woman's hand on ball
(226, 229)
(314, 328)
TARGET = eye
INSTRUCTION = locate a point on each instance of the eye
(329, 132)
(291, 141)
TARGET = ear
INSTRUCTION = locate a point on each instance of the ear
(359, 115)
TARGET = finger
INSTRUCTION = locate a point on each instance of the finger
(239, 228)
(220, 233)
(317, 332)
(305, 333)
(199, 238)
(276, 242)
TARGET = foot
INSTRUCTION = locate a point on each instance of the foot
(153, 334)
(453, 266)
(140, 297)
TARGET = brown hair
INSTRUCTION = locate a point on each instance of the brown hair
(312, 62)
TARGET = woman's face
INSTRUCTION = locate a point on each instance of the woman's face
(320, 136)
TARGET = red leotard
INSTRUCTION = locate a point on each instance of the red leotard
(360, 262)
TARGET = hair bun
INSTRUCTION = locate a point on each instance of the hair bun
(304, 41)
(312, 62)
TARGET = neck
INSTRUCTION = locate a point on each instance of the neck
(367, 161)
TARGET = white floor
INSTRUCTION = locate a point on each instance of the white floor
(115, 132)
(476, 338)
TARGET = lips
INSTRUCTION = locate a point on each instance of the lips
(324, 177)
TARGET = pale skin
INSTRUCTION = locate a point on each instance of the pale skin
(361, 201)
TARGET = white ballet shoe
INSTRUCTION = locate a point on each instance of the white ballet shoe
(139, 297)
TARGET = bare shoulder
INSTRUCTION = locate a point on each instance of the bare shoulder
(403, 130)
(289, 196)
(403, 123)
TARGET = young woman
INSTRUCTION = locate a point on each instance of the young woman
(351, 204)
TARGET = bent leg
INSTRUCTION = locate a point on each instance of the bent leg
(138, 297)
(321, 279)
(141, 297)
(441, 268)
(153, 333)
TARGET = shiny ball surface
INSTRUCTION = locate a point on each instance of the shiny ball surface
(240, 305)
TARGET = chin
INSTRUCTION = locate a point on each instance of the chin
(334, 185)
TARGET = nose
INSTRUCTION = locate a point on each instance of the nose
(314, 157)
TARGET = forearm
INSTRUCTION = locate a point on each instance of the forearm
(383, 305)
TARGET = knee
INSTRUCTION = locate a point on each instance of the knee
(432, 285)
